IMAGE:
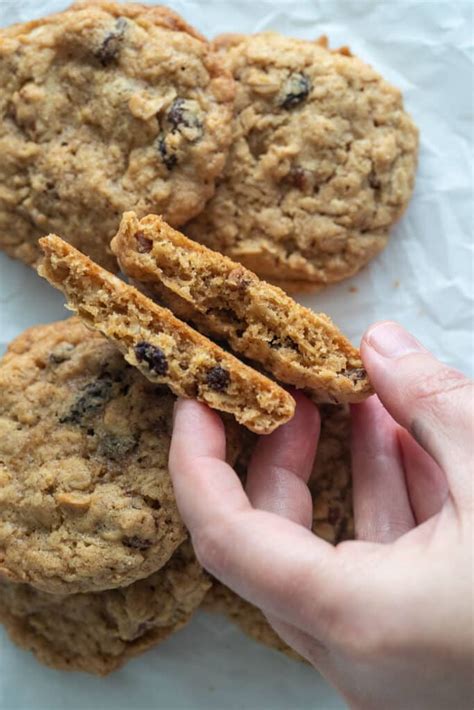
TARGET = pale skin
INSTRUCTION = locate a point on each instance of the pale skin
(386, 618)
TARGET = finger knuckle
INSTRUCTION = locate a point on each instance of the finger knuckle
(210, 549)
(443, 385)
(383, 530)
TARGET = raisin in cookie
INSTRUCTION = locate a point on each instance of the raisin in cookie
(86, 502)
(98, 632)
(322, 162)
(227, 301)
(163, 348)
(106, 107)
(330, 485)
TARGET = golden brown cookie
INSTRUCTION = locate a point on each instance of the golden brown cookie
(163, 348)
(322, 162)
(106, 107)
(86, 502)
(98, 632)
(228, 302)
(331, 489)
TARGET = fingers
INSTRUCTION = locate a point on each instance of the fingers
(382, 510)
(432, 401)
(282, 463)
(197, 460)
(276, 481)
(426, 483)
(274, 563)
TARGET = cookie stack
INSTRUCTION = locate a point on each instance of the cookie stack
(280, 155)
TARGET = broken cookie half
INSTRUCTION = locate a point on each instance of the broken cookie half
(163, 348)
(227, 301)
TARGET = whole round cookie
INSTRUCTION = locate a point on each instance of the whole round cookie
(321, 165)
(106, 107)
(86, 502)
(98, 632)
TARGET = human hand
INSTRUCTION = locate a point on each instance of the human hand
(386, 618)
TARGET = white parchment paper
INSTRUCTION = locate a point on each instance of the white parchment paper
(423, 279)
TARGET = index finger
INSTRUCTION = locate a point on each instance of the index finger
(274, 563)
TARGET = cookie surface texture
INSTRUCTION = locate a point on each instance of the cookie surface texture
(106, 107)
(98, 632)
(322, 162)
(86, 502)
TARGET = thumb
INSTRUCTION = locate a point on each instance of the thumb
(432, 401)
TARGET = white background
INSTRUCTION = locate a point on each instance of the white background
(423, 279)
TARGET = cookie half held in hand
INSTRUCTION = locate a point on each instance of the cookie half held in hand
(98, 632)
(166, 350)
(86, 500)
(106, 107)
(227, 301)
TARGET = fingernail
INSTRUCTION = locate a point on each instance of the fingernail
(392, 341)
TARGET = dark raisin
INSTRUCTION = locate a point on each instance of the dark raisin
(288, 342)
(94, 397)
(136, 543)
(110, 47)
(241, 278)
(169, 158)
(356, 375)
(224, 315)
(218, 378)
(296, 90)
(184, 114)
(374, 182)
(61, 355)
(152, 503)
(298, 177)
(144, 245)
(153, 356)
(115, 447)
(258, 143)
